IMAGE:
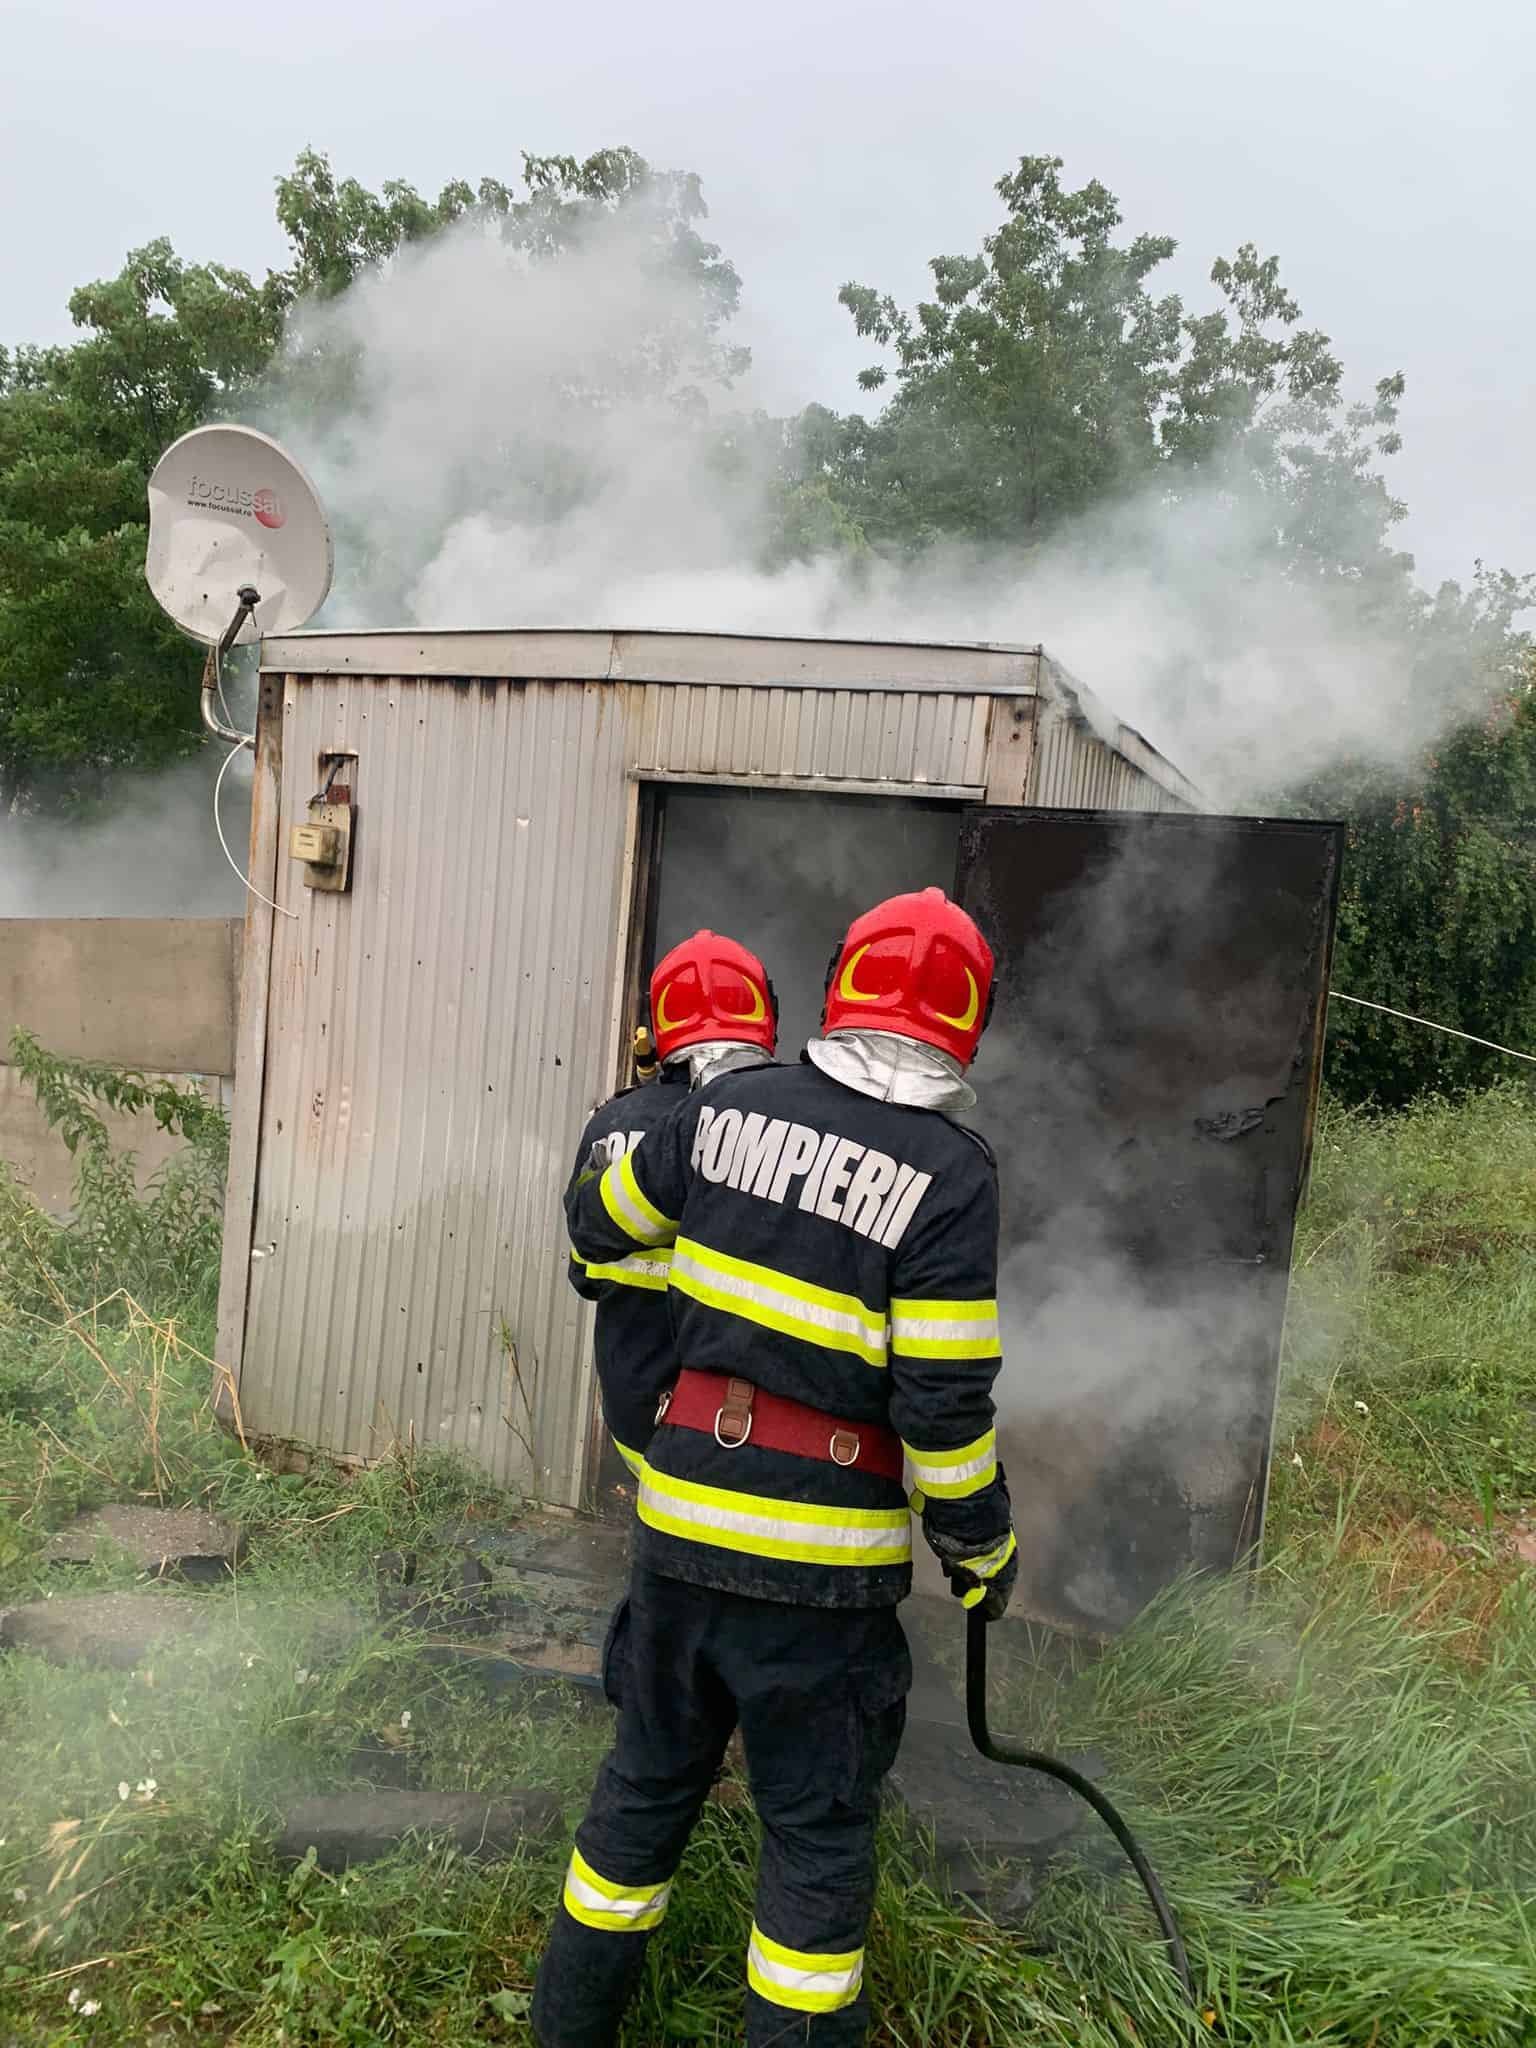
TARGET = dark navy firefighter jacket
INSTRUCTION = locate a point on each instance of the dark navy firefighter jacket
(636, 1353)
(840, 1251)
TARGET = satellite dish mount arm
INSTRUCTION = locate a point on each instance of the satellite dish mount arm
(249, 598)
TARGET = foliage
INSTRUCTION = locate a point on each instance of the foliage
(93, 679)
(1044, 377)
(1413, 1297)
(1336, 1785)
(1028, 386)
(1437, 914)
(160, 1246)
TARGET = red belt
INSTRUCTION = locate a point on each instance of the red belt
(735, 1412)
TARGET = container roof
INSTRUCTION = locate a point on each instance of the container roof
(558, 654)
(727, 660)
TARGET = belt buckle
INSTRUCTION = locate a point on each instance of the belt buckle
(736, 1408)
(843, 1439)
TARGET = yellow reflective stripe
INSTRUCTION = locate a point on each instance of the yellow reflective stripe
(632, 1459)
(951, 1475)
(640, 1269)
(991, 1562)
(798, 1532)
(945, 1329)
(630, 1207)
(778, 1301)
(804, 1293)
(801, 1980)
(596, 1901)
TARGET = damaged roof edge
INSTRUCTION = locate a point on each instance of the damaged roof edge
(1058, 684)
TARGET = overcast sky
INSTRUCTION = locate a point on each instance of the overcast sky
(1385, 152)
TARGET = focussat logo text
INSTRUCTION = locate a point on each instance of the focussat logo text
(265, 506)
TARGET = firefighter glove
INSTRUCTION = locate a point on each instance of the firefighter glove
(978, 1578)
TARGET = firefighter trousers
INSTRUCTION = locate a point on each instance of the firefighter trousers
(820, 1697)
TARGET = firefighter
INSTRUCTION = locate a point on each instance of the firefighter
(832, 1283)
(712, 1012)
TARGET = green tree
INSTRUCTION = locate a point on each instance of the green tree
(1045, 376)
(1028, 386)
(1437, 914)
(92, 678)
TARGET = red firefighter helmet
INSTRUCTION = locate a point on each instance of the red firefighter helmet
(707, 988)
(917, 965)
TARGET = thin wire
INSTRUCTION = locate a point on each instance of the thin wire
(218, 827)
(1429, 1025)
(324, 790)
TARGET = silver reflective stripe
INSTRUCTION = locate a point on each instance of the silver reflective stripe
(991, 1562)
(632, 1908)
(816, 1317)
(803, 1981)
(980, 1331)
(796, 1531)
(637, 1270)
(627, 1203)
(611, 1908)
(946, 1476)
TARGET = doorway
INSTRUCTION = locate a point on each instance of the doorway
(785, 872)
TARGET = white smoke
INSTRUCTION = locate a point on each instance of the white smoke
(541, 442)
(525, 439)
(151, 852)
(502, 461)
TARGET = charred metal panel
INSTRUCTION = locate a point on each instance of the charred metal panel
(1147, 1085)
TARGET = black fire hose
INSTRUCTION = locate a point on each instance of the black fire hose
(1036, 1760)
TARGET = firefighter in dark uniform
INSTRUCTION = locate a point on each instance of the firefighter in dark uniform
(712, 1013)
(832, 1284)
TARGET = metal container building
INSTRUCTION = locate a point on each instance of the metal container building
(422, 1034)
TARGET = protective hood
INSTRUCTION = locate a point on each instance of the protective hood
(893, 1068)
(713, 1057)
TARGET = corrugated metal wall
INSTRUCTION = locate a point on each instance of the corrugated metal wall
(1072, 769)
(912, 737)
(435, 1035)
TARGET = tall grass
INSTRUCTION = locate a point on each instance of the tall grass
(1335, 1774)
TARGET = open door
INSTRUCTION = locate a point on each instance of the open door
(783, 871)
(1149, 1083)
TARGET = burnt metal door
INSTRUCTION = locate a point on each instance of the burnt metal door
(1148, 1082)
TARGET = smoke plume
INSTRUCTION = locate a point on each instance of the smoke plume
(535, 443)
(508, 441)
(151, 852)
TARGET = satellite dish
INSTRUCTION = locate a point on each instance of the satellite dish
(230, 510)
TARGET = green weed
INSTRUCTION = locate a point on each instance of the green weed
(1334, 1769)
